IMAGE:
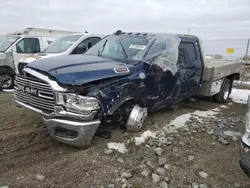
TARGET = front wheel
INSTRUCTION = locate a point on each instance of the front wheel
(136, 119)
(223, 95)
(6, 78)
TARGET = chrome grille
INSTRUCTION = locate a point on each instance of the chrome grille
(21, 67)
(35, 93)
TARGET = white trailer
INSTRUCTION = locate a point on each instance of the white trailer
(50, 33)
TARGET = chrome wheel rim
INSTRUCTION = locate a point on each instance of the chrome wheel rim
(136, 119)
(5, 81)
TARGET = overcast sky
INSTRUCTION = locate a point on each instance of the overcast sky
(210, 19)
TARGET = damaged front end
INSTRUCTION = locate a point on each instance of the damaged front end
(70, 118)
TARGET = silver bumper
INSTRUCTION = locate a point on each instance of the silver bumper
(83, 131)
(245, 150)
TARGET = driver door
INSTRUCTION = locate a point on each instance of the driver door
(190, 69)
(25, 47)
(162, 87)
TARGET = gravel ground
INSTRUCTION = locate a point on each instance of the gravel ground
(203, 153)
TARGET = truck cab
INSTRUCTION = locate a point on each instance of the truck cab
(19, 44)
(117, 81)
(67, 45)
(13, 48)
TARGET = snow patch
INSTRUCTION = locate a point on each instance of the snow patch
(237, 82)
(144, 136)
(216, 109)
(232, 134)
(8, 90)
(224, 106)
(209, 113)
(120, 147)
(240, 95)
(180, 121)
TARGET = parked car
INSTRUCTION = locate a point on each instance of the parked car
(17, 45)
(118, 81)
(245, 144)
(67, 45)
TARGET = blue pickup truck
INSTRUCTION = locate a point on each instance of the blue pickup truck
(118, 81)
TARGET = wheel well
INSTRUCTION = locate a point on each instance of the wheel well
(235, 76)
(120, 104)
(7, 68)
(232, 77)
(119, 113)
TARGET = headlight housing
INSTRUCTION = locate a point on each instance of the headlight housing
(76, 103)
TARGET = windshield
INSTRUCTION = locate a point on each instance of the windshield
(6, 42)
(119, 47)
(62, 44)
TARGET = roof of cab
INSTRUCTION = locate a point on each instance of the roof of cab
(146, 34)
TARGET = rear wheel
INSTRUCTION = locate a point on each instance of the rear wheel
(223, 95)
(6, 78)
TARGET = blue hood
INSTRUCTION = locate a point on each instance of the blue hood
(80, 69)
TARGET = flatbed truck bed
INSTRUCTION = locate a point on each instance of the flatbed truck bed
(215, 71)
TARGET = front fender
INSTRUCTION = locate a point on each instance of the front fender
(111, 97)
(118, 104)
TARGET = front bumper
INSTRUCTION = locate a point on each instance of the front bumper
(245, 154)
(83, 132)
(72, 131)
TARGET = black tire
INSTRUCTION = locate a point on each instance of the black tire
(7, 77)
(225, 91)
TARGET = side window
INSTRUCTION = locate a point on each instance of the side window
(94, 40)
(187, 52)
(28, 45)
(86, 44)
(181, 57)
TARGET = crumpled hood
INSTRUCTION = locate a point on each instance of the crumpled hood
(81, 69)
(33, 57)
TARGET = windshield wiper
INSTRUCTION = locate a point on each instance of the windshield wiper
(100, 51)
(124, 53)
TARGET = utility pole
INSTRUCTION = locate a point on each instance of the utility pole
(247, 47)
(244, 68)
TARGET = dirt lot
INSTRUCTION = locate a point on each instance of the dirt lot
(30, 158)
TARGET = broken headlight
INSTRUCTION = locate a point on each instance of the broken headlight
(77, 103)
